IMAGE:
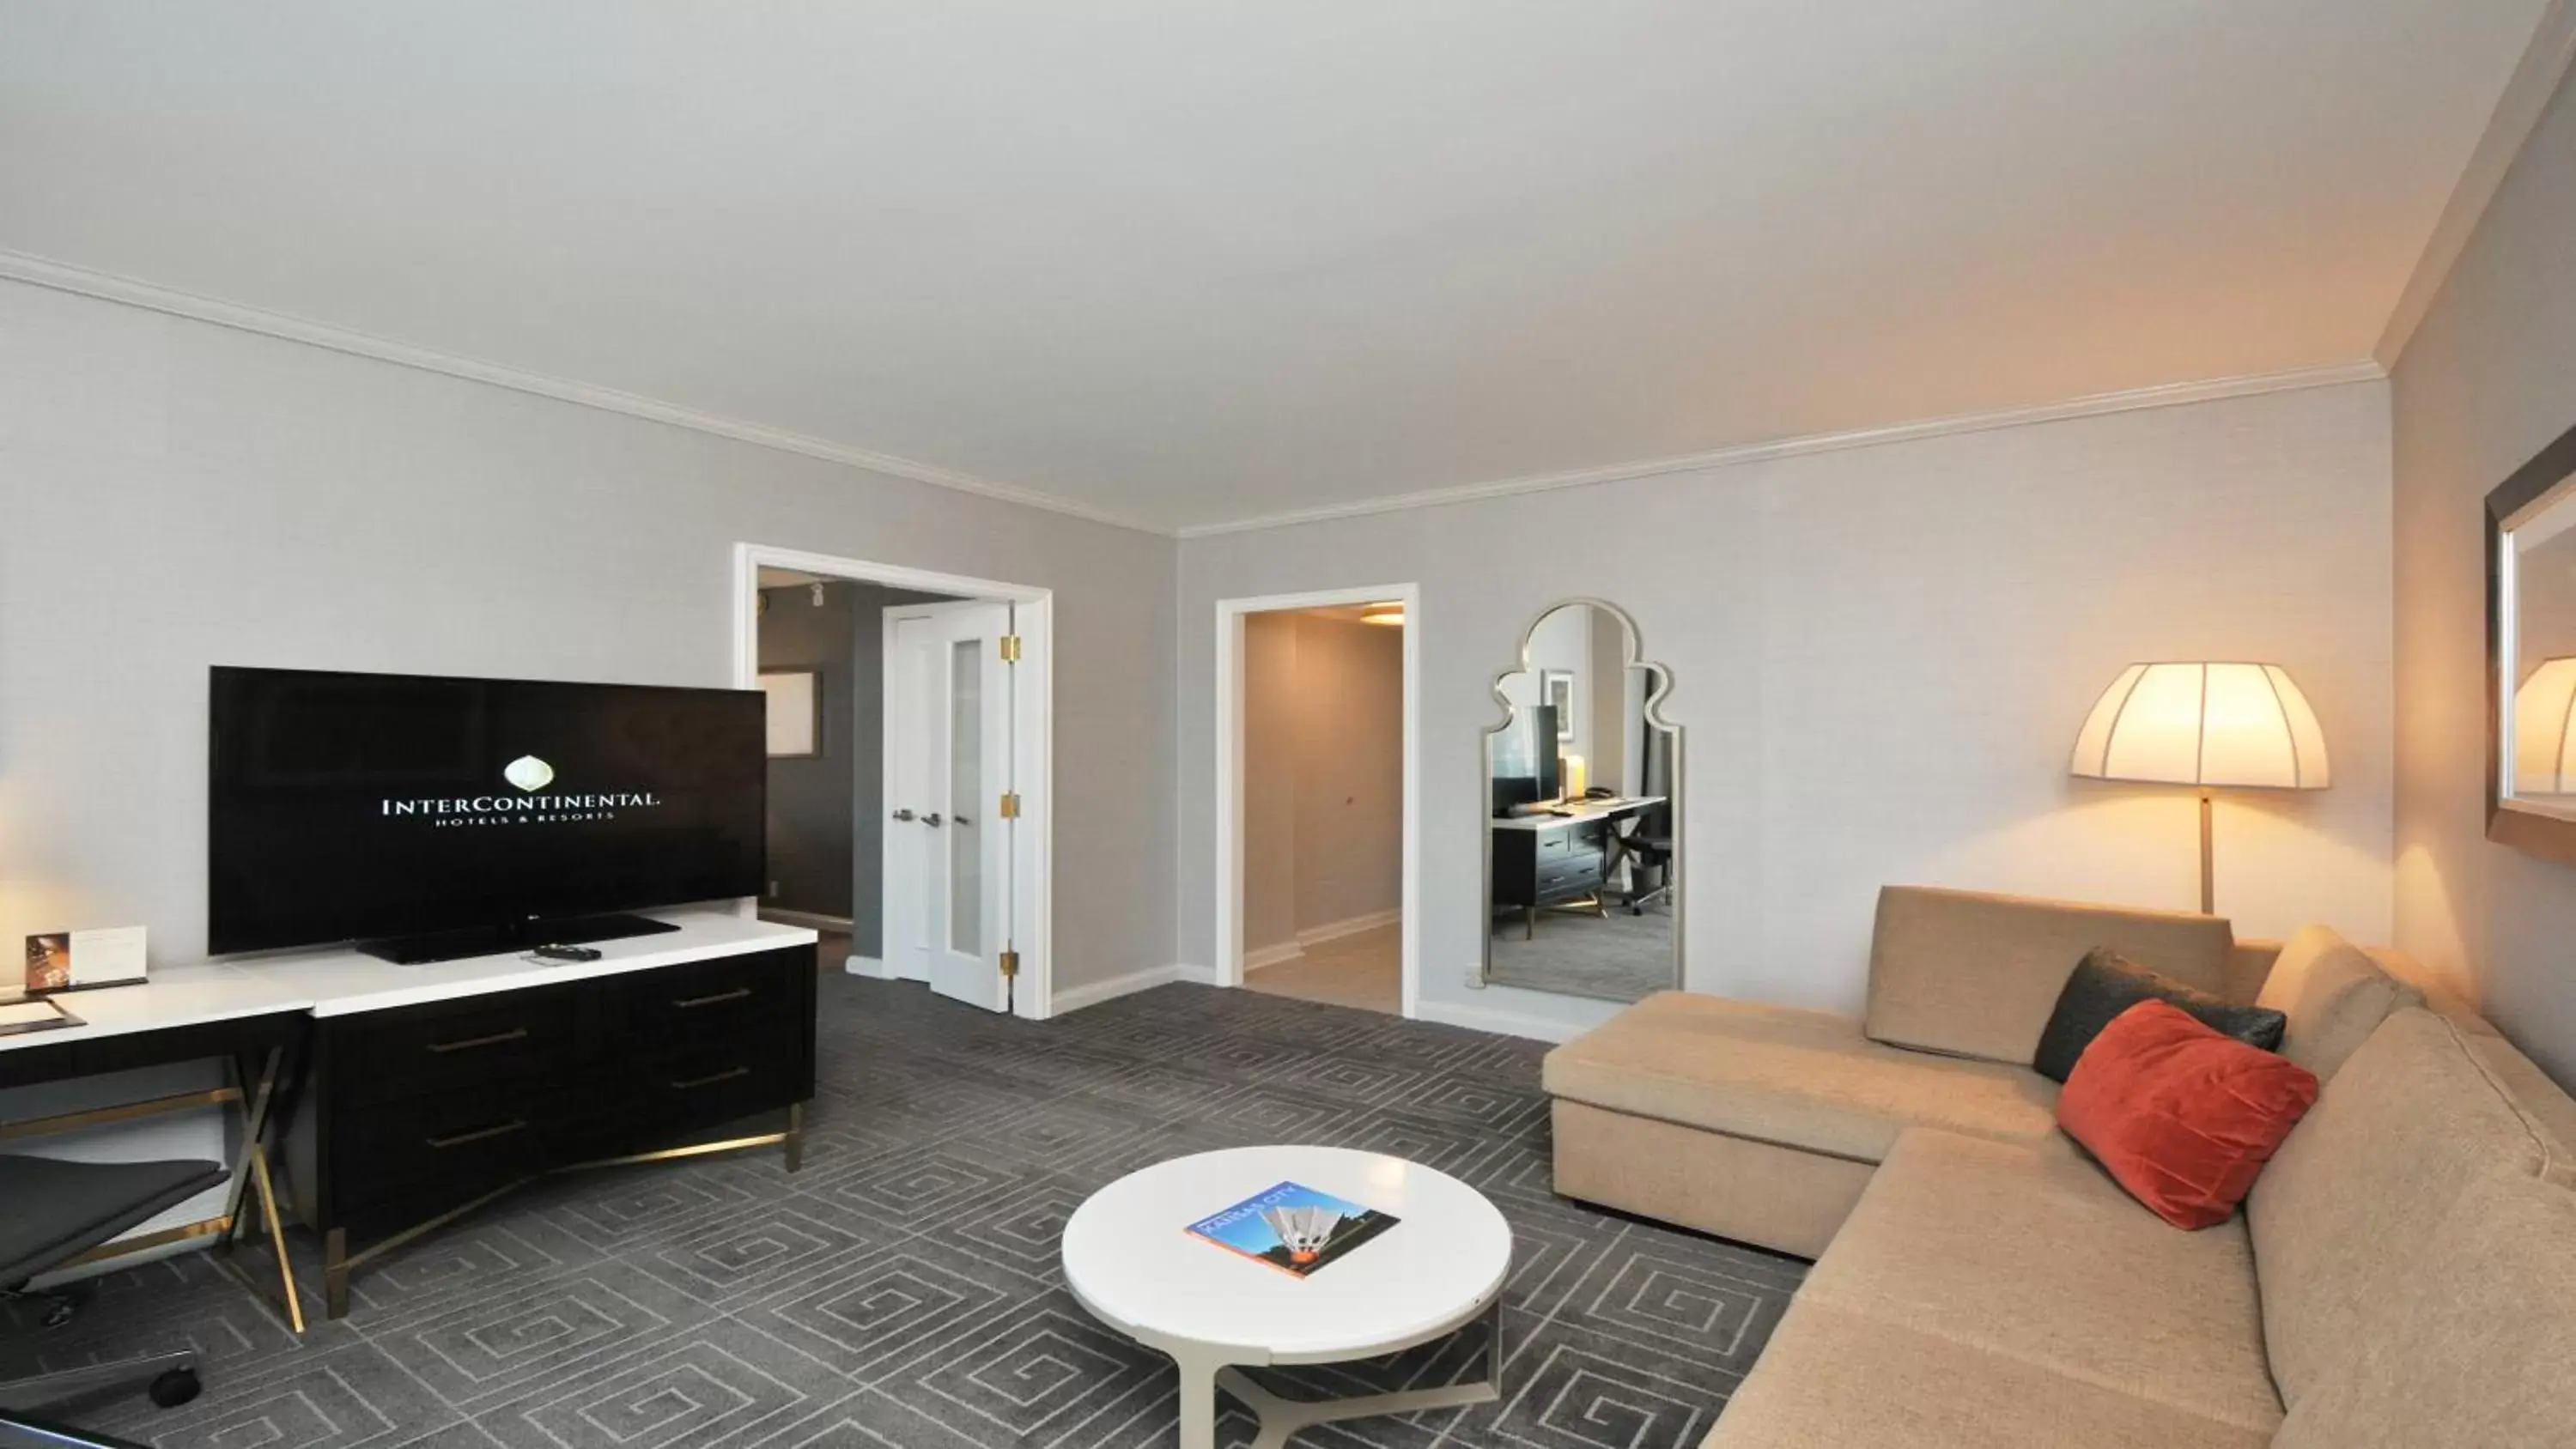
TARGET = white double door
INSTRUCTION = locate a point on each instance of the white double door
(948, 713)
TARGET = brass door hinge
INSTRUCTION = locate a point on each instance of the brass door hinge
(1010, 964)
(1010, 649)
(1011, 806)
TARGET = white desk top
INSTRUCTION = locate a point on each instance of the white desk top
(343, 981)
(1587, 810)
(175, 996)
(1130, 1259)
(339, 981)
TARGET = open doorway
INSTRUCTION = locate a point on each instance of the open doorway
(1317, 815)
(908, 773)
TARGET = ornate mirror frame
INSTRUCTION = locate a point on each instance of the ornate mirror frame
(2548, 481)
(1659, 683)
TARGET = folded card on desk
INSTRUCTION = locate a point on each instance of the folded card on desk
(35, 1015)
(73, 960)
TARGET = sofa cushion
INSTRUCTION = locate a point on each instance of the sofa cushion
(2488, 1356)
(1804, 1079)
(1977, 975)
(2365, 1181)
(2029, 1252)
(1831, 1378)
(2334, 995)
(2181, 1114)
(2106, 983)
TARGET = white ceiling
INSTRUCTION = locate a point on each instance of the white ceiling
(1185, 262)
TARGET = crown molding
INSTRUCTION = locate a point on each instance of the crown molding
(2101, 404)
(2527, 94)
(63, 277)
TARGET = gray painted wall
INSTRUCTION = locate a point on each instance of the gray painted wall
(1880, 659)
(2488, 380)
(812, 799)
(180, 494)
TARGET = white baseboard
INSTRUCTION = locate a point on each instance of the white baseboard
(808, 919)
(867, 966)
(1273, 955)
(1505, 1023)
(1074, 998)
(1335, 930)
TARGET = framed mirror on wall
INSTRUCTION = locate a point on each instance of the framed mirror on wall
(2531, 655)
(1583, 842)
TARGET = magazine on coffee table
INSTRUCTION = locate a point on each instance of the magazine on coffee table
(1293, 1228)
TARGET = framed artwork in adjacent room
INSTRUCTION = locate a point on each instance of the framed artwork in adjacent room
(1556, 689)
(795, 713)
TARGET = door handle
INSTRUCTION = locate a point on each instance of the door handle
(931, 820)
(961, 822)
(904, 815)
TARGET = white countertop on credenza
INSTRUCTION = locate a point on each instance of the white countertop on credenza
(1588, 810)
(341, 982)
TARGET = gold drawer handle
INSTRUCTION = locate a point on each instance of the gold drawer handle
(727, 1075)
(516, 1033)
(685, 1002)
(515, 1124)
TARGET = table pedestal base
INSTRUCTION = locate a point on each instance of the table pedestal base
(1281, 1417)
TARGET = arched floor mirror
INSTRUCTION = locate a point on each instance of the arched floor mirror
(1583, 837)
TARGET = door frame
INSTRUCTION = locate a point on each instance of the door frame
(1032, 730)
(1228, 967)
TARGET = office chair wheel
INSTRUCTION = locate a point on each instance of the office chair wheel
(174, 1388)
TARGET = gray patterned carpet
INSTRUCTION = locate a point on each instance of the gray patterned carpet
(902, 1292)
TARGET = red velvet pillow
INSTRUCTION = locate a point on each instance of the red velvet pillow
(2181, 1115)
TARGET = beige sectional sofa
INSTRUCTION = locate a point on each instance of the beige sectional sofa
(2404, 1272)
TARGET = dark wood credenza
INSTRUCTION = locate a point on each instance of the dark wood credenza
(1555, 863)
(406, 1117)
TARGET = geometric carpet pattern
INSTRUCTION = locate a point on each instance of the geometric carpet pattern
(903, 1290)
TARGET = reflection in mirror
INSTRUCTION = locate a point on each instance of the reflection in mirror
(2542, 627)
(1583, 870)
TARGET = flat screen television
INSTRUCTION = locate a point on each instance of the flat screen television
(430, 817)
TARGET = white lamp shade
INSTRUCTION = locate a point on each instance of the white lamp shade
(2209, 724)
(2544, 746)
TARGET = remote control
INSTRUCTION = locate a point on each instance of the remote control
(566, 953)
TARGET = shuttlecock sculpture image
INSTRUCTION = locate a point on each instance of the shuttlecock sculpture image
(1303, 1230)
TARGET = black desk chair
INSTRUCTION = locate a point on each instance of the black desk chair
(1648, 844)
(58, 1210)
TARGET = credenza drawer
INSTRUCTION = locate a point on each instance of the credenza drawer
(1572, 873)
(699, 1089)
(462, 1143)
(477, 1042)
(710, 1001)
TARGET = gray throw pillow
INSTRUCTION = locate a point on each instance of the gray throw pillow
(2107, 983)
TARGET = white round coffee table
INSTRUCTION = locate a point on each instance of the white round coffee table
(1129, 1258)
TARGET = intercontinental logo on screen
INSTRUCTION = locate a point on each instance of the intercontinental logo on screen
(529, 776)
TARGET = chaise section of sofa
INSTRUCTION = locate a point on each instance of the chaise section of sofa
(1763, 1123)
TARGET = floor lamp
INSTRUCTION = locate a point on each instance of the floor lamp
(2209, 725)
